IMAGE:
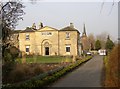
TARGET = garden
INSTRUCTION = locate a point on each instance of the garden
(32, 66)
(39, 72)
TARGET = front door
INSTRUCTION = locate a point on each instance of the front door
(46, 50)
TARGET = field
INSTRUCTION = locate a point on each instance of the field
(45, 59)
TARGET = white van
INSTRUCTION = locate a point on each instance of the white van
(102, 52)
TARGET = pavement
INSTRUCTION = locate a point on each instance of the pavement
(87, 75)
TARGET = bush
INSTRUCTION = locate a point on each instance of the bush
(78, 58)
(19, 73)
(10, 54)
(38, 70)
(6, 69)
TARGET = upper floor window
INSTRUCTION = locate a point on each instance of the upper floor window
(67, 35)
(27, 36)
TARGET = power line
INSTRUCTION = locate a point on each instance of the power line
(102, 6)
(111, 7)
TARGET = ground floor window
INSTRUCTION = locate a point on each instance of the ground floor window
(67, 48)
(27, 48)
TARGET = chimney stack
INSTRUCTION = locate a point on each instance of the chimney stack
(71, 25)
(40, 25)
(34, 26)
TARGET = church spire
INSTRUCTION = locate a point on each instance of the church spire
(84, 31)
(108, 37)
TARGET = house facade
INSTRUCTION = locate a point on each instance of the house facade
(48, 41)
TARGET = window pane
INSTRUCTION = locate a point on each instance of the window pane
(27, 48)
(67, 35)
(67, 49)
(27, 36)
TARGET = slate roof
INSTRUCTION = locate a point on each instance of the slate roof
(17, 31)
(68, 28)
(28, 30)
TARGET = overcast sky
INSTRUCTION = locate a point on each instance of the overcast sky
(60, 14)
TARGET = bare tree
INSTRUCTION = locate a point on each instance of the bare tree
(102, 38)
(85, 43)
(10, 13)
(91, 40)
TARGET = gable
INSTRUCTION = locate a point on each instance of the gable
(46, 28)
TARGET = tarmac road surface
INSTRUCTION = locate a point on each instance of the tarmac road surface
(87, 75)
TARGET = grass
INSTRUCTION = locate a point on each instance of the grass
(106, 62)
(45, 59)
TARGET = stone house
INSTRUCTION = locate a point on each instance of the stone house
(48, 41)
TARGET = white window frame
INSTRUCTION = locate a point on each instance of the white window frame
(67, 46)
(27, 36)
(27, 46)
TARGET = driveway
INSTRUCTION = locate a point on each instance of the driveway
(87, 75)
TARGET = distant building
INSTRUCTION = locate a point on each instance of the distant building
(50, 41)
(84, 41)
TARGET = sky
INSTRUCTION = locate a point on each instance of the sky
(60, 14)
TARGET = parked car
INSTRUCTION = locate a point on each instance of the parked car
(89, 53)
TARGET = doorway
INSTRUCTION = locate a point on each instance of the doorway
(46, 50)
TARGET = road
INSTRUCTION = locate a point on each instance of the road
(87, 75)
